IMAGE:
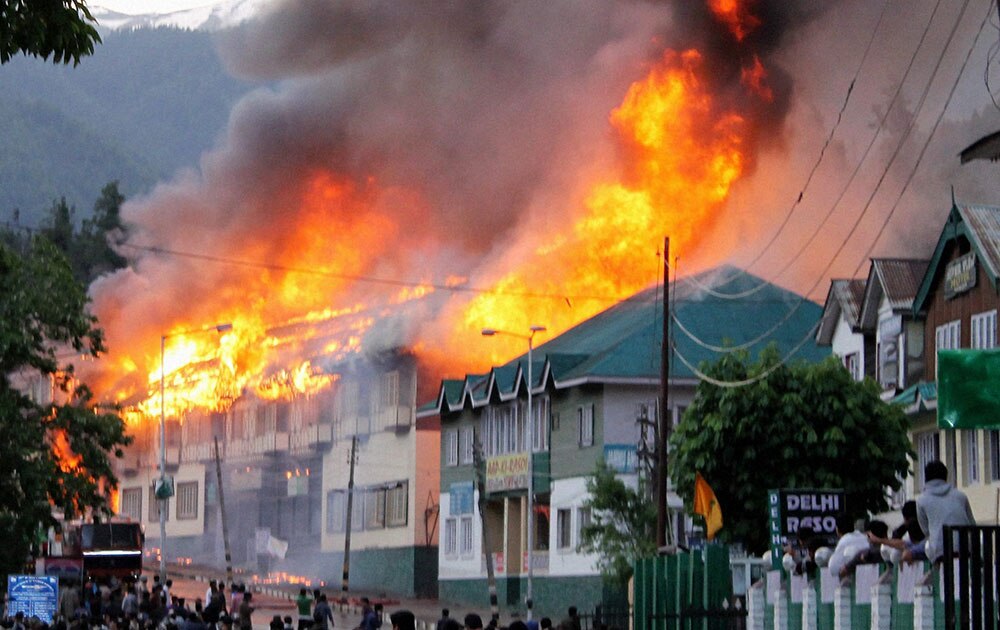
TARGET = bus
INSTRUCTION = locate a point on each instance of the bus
(95, 550)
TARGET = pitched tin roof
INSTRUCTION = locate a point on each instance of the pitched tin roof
(896, 279)
(981, 225)
(622, 344)
(842, 301)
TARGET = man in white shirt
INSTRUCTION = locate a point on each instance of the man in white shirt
(851, 542)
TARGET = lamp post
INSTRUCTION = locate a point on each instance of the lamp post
(163, 439)
(529, 442)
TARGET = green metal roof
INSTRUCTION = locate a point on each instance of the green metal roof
(722, 307)
(917, 397)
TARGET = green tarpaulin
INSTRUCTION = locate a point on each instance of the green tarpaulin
(968, 389)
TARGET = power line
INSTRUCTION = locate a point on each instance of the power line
(829, 138)
(923, 149)
(863, 157)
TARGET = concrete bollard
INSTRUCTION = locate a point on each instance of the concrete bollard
(882, 605)
(781, 609)
(923, 607)
(756, 606)
(842, 606)
(810, 606)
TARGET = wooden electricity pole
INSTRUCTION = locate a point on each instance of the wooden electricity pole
(665, 419)
(222, 514)
(350, 520)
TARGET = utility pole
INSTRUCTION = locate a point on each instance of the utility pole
(491, 579)
(222, 514)
(350, 520)
(663, 430)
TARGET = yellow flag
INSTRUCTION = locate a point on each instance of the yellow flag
(707, 505)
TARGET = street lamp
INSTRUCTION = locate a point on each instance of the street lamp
(529, 441)
(163, 440)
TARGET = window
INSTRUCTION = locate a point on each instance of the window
(451, 448)
(466, 537)
(994, 455)
(132, 503)
(375, 508)
(155, 504)
(984, 330)
(970, 455)
(563, 529)
(187, 500)
(357, 510)
(853, 364)
(466, 445)
(889, 333)
(397, 501)
(336, 511)
(540, 424)
(450, 536)
(948, 336)
(585, 425)
(928, 450)
(582, 521)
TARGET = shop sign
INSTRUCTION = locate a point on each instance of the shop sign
(960, 275)
(507, 472)
(790, 509)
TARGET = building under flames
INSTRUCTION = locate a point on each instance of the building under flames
(285, 466)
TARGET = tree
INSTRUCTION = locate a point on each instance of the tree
(622, 524)
(802, 426)
(54, 456)
(94, 254)
(62, 29)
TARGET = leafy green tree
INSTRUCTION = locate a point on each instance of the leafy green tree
(94, 253)
(801, 426)
(62, 29)
(622, 524)
(55, 456)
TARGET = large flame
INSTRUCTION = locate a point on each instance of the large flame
(683, 155)
(680, 151)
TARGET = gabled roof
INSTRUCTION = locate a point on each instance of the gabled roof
(896, 279)
(843, 301)
(622, 344)
(918, 397)
(981, 226)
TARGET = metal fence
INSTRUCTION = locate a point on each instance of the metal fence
(971, 570)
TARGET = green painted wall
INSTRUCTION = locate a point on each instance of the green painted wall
(403, 571)
(552, 595)
(570, 460)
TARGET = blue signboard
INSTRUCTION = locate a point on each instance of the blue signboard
(621, 458)
(35, 596)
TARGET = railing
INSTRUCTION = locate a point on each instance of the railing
(975, 562)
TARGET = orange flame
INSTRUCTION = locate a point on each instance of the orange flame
(683, 157)
(755, 78)
(735, 14)
(67, 460)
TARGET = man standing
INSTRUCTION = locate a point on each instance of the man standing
(304, 604)
(402, 620)
(245, 612)
(322, 614)
(443, 620)
(938, 505)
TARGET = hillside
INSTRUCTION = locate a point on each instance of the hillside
(147, 103)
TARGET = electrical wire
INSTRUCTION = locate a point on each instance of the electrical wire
(867, 205)
(857, 169)
(748, 381)
(923, 150)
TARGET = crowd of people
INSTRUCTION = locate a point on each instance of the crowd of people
(919, 537)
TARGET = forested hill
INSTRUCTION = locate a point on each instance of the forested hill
(146, 103)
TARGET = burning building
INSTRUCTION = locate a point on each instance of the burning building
(284, 464)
